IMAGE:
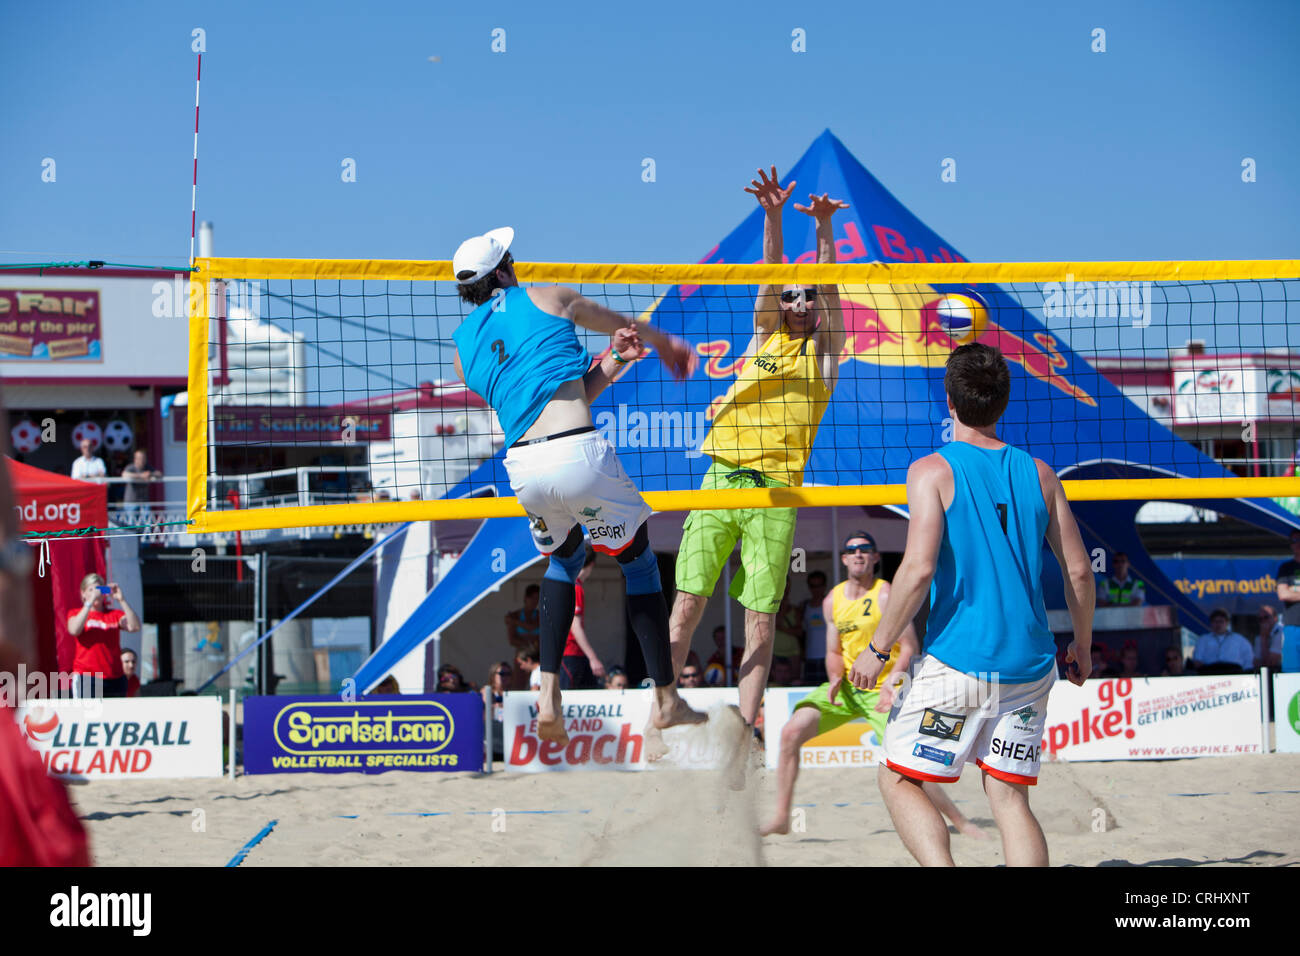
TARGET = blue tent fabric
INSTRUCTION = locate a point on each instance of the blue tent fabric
(889, 407)
(501, 549)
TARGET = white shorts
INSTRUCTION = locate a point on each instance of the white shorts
(942, 718)
(577, 479)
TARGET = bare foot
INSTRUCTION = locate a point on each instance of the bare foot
(777, 826)
(678, 713)
(655, 748)
(552, 729)
(970, 829)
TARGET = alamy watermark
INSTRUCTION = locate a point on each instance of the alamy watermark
(637, 429)
(1098, 300)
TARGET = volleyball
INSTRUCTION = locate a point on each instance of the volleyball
(26, 436)
(87, 429)
(963, 316)
(118, 436)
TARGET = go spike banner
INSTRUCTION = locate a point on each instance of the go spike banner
(1286, 712)
(1153, 718)
(372, 735)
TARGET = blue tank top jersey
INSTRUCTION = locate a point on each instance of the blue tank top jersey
(516, 356)
(986, 600)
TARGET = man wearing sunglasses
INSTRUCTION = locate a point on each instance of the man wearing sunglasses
(853, 611)
(761, 437)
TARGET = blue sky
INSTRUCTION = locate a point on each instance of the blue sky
(1061, 153)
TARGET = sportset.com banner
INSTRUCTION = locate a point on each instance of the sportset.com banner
(606, 732)
(1286, 712)
(373, 735)
(118, 738)
(1153, 718)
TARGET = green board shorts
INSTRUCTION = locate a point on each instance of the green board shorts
(766, 537)
(850, 704)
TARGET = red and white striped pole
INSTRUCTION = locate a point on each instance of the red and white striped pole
(194, 189)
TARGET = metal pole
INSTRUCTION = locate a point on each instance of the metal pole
(257, 624)
(726, 616)
(437, 656)
(232, 733)
(1265, 686)
(487, 730)
(835, 546)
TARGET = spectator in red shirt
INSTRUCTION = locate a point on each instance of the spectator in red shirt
(97, 628)
(580, 668)
(129, 672)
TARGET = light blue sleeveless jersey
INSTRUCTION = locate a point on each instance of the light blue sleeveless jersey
(516, 356)
(986, 600)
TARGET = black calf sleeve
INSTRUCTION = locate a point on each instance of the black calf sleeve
(554, 621)
(649, 614)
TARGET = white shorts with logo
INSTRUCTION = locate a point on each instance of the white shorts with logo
(577, 479)
(943, 717)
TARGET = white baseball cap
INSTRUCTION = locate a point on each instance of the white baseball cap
(481, 254)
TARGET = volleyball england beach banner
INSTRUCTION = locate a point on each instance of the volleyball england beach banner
(606, 732)
(97, 739)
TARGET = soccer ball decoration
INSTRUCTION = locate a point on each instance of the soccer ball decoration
(964, 317)
(26, 437)
(88, 429)
(118, 436)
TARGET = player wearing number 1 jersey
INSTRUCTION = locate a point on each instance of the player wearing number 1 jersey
(979, 512)
(519, 350)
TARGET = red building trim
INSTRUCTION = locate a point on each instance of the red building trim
(51, 273)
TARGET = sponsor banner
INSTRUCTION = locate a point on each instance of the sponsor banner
(1153, 718)
(373, 735)
(53, 325)
(606, 729)
(1239, 584)
(1286, 712)
(119, 738)
(259, 424)
(853, 744)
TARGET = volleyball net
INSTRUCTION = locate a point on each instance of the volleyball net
(322, 392)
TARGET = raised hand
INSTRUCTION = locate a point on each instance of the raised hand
(822, 207)
(626, 344)
(679, 357)
(768, 192)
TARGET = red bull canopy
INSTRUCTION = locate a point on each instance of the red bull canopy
(888, 408)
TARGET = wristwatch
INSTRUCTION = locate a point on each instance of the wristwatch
(16, 558)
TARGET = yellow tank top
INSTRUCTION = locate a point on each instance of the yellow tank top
(768, 419)
(857, 622)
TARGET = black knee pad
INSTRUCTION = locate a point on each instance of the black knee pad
(640, 541)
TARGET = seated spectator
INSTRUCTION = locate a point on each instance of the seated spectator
(129, 662)
(1173, 663)
(494, 689)
(1122, 588)
(386, 686)
(1129, 662)
(715, 672)
(691, 676)
(693, 660)
(522, 624)
(782, 672)
(814, 631)
(1288, 592)
(615, 678)
(529, 666)
(1221, 650)
(451, 680)
(1268, 645)
(1101, 665)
